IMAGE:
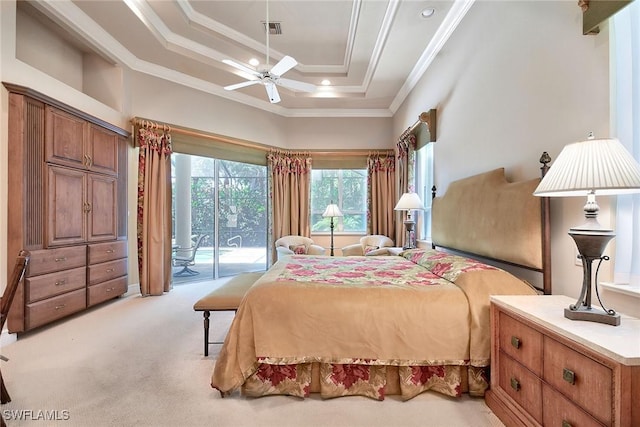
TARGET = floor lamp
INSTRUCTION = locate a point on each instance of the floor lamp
(332, 211)
(589, 168)
(409, 202)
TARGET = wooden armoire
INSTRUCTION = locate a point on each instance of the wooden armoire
(67, 205)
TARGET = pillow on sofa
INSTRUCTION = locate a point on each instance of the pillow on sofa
(298, 249)
(370, 248)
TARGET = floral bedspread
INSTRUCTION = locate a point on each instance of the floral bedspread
(356, 271)
(354, 316)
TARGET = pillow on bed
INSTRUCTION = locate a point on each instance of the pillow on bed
(298, 249)
(370, 248)
(443, 264)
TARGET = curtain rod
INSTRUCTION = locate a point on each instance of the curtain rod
(352, 153)
(137, 121)
(167, 128)
(426, 117)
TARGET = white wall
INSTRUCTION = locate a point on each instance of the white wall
(165, 101)
(516, 79)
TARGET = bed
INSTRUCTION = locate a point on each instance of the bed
(390, 325)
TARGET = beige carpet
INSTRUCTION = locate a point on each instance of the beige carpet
(139, 362)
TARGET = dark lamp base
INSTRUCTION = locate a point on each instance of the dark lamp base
(591, 314)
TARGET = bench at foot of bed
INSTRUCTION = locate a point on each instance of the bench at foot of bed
(226, 297)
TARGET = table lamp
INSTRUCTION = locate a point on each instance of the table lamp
(589, 168)
(332, 211)
(409, 202)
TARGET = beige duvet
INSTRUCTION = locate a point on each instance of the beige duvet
(401, 311)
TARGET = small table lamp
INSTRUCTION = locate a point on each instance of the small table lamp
(409, 202)
(587, 168)
(332, 211)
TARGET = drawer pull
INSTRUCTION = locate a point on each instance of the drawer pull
(515, 341)
(58, 307)
(62, 258)
(109, 270)
(60, 282)
(109, 251)
(566, 423)
(109, 290)
(569, 376)
(515, 384)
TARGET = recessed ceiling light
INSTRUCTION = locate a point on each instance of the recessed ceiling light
(254, 62)
(325, 82)
(427, 13)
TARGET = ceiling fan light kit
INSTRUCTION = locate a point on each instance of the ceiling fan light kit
(270, 78)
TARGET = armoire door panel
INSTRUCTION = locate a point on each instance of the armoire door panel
(66, 206)
(102, 207)
(64, 138)
(102, 150)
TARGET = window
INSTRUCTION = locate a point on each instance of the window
(345, 187)
(227, 202)
(626, 95)
(424, 183)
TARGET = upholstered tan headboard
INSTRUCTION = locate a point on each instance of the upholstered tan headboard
(488, 216)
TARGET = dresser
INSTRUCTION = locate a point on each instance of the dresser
(551, 371)
(67, 206)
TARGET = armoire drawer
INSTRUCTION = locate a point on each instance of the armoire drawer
(521, 342)
(106, 290)
(52, 260)
(106, 271)
(583, 380)
(52, 284)
(102, 252)
(45, 311)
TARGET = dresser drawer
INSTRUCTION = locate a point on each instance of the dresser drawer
(102, 252)
(106, 290)
(52, 284)
(559, 411)
(583, 380)
(521, 342)
(51, 260)
(521, 385)
(45, 311)
(106, 271)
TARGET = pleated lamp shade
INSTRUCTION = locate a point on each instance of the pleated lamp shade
(408, 202)
(332, 210)
(594, 166)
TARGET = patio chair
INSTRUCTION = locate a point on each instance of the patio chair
(186, 261)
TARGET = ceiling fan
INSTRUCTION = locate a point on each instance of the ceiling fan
(270, 78)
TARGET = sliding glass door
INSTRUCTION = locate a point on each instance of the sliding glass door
(219, 218)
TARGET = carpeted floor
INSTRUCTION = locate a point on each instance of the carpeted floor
(139, 362)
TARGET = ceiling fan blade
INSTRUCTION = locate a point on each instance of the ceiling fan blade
(243, 84)
(297, 85)
(272, 91)
(283, 66)
(241, 67)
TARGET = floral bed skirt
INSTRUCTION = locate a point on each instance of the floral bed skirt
(335, 380)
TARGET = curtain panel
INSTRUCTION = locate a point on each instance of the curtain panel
(381, 195)
(289, 180)
(406, 165)
(154, 210)
(625, 37)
